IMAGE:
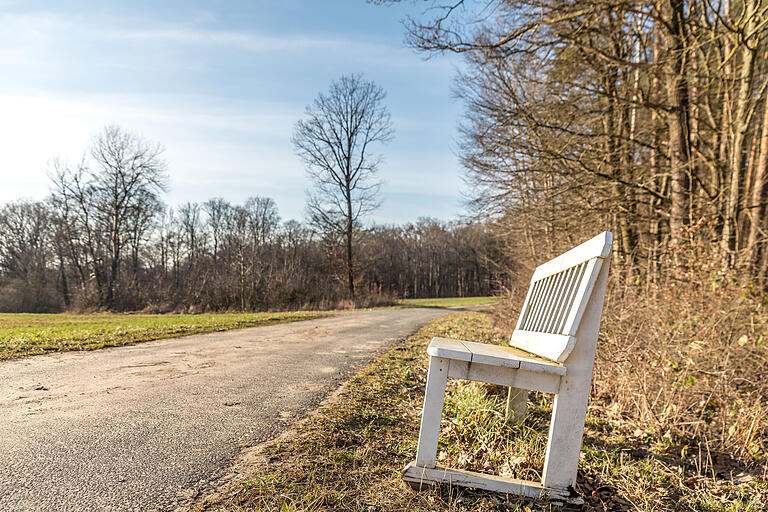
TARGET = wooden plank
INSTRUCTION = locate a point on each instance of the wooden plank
(562, 305)
(422, 476)
(434, 397)
(536, 363)
(523, 379)
(582, 296)
(517, 404)
(597, 247)
(533, 303)
(547, 304)
(537, 303)
(566, 427)
(509, 357)
(485, 353)
(449, 349)
(551, 346)
(578, 274)
(543, 302)
(557, 300)
(526, 303)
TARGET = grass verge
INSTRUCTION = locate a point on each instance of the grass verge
(25, 334)
(446, 302)
(348, 456)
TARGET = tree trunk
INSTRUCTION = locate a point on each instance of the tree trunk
(348, 233)
(759, 193)
(679, 150)
(729, 242)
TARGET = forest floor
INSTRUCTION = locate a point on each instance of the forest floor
(24, 334)
(349, 454)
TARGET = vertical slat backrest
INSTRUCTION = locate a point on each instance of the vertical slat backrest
(559, 292)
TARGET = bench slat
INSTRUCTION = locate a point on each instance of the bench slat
(450, 349)
(487, 354)
(557, 301)
(560, 312)
(582, 296)
(551, 346)
(570, 297)
(597, 247)
(541, 303)
(526, 312)
(494, 355)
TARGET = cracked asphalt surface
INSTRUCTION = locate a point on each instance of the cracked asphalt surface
(153, 425)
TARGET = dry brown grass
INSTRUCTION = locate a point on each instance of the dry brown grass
(348, 457)
(683, 355)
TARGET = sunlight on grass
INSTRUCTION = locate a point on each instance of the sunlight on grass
(447, 302)
(25, 334)
(349, 455)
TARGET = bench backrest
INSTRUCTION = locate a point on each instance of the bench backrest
(559, 293)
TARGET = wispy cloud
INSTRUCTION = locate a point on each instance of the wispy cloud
(222, 99)
(256, 43)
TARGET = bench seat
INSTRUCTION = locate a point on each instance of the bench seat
(494, 355)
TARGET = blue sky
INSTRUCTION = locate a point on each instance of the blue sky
(220, 85)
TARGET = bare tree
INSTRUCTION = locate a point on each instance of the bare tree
(122, 179)
(216, 209)
(335, 141)
(26, 251)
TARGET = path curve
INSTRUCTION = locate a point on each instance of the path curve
(150, 426)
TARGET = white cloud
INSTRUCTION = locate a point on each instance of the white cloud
(232, 150)
(216, 145)
(251, 42)
(199, 141)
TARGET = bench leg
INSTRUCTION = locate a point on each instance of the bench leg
(517, 403)
(434, 397)
(569, 412)
(561, 461)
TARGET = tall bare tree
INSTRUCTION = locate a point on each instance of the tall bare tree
(335, 140)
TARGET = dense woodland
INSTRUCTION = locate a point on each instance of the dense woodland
(646, 116)
(105, 240)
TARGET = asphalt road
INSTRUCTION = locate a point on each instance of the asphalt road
(151, 426)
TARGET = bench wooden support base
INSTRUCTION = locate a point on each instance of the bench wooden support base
(419, 477)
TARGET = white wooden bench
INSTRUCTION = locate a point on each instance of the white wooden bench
(552, 350)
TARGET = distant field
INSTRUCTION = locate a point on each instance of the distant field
(26, 334)
(447, 302)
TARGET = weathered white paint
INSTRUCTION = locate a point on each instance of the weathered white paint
(419, 478)
(597, 247)
(552, 350)
(434, 396)
(502, 376)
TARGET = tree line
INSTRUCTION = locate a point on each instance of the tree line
(648, 116)
(105, 239)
